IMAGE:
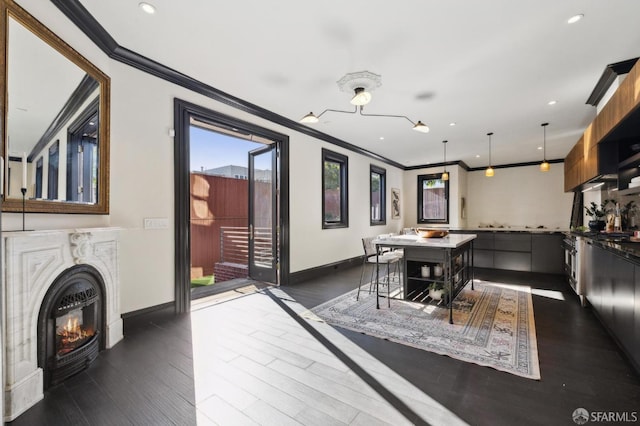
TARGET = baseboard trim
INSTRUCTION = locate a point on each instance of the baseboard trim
(318, 271)
(138, 320)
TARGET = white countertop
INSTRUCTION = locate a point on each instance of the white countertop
(450, 241)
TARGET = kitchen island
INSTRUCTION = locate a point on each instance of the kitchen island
(448, 260)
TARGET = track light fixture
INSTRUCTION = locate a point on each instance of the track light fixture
(544, 166)
(489, 171)
(445, 175)
(361, 84)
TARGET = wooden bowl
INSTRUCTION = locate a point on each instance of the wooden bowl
(432, 233)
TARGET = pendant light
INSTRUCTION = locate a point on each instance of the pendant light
(445, 175)
(489, 171)
(544, 166)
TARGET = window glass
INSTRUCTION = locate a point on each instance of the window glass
(378, 195)
(334, 190)
(433, 199)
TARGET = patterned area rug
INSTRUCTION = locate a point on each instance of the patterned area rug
(492, 326)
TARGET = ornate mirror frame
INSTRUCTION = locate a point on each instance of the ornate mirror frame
(9, 9)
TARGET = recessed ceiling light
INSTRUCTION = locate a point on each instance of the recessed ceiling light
(539, 147)
(381, 138)
(477, 155)
(452, 124)
(147, 7)
(575, 18)
(552, 102)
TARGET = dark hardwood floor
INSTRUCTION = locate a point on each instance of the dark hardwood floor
(148, 378)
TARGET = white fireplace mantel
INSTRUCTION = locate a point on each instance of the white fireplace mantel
(32, 260)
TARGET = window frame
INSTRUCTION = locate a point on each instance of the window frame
(383, 195)
(343, 161)
(421, 179)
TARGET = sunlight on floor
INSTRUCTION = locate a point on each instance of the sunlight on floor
(551, 294)
(255, 363)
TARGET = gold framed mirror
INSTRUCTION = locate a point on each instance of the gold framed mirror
(55, 127)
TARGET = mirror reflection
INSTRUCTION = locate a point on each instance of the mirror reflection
(55, 146)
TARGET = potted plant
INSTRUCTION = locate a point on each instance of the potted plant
(597, 212)
(436, 290)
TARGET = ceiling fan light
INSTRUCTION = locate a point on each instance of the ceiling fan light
(489, 172)
(309, 118)
(362, 97)
(421, 127)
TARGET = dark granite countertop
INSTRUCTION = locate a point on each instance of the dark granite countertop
(618, 243)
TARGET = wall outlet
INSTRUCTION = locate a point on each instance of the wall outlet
(156, 223)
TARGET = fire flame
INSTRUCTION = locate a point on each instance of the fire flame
(71, 335)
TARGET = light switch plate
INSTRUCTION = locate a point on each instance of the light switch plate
(156, 223)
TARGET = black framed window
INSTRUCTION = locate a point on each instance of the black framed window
(378, 190)
(335, 197)
(52, 175)
(433, 199)
(39, 167)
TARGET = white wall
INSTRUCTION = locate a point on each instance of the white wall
(519, 197)
(457, 190)
(310, 244)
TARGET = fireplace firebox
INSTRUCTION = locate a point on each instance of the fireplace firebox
(70, 324)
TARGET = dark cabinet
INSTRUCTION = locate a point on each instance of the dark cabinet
(484, 241)
(612, 284)
(512, 261)
(547, 254)
(519, 251)
(512, 251)
(483, 250)
(482, 258)
(513, 241)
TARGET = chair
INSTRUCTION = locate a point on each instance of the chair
(383, 258)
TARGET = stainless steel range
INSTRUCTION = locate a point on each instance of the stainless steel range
(574, 265)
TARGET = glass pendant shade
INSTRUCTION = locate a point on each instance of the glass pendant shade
(445, 175)
(544, 166)
(489, 171)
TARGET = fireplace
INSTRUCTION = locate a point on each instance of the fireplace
(61, 292)
(70, 324)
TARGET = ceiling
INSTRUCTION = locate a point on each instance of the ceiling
(489, 66)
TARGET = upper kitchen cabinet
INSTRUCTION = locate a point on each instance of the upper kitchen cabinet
(608, 142)
(573, 166)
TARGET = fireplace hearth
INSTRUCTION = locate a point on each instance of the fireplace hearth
(70, 322)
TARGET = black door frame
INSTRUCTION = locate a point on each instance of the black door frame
(271, 275)
(183, 111)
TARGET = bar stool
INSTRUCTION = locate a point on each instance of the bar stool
(386, 258)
